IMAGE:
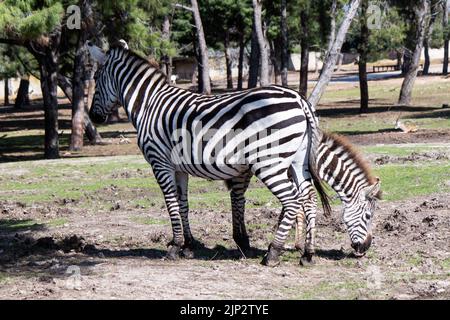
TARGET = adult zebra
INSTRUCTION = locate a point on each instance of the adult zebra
(266, 132)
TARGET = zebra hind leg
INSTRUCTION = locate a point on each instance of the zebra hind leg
(287, 193)
(238, 186)
(310, 205)
(182, 191)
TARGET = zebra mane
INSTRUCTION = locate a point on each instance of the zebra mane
(335, 141)
(151, 61)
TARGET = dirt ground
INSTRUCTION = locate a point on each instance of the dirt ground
(105, 255)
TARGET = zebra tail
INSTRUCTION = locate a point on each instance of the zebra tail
(316, 138)
(318, 184)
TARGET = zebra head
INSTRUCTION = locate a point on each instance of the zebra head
(358, 217)
(106, 95)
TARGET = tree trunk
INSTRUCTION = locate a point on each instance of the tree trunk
(275, 59)
(304, 43)
(262, 43)
(447, 35)
(332, 36)
(90, 129)
(426, 41)
(80, 72)
(206, 87)
(426, 64)
(410, 77)
(23, 98)
(228, 61)
(199, 75)
(48, 68)
(76, 137)
(363, 51)
(241, 59)
(284, 45)
(167, 61)
(254, 61)
(330, 62)
(6, 100)
(399, 59)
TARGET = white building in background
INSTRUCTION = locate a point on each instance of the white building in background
(34, 89)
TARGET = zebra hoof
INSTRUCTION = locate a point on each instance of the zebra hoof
(272, 257)
(173, 253)
(307, 260)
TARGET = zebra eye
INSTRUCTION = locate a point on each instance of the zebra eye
(96, 75)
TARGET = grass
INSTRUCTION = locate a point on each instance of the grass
(446, 264)
(58, 222)
(426, 94)
(415, 260)
(404, 150)
(149, 221)
(386, 122)
(46, 181)
(13, 225)
(346, 290)
(4, 277)
(411, 180)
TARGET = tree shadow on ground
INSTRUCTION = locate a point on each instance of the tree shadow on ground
(333, 254)
(439, 113)
(23, 251)
(338, 112)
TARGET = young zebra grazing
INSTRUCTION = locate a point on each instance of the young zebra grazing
(267, 132)
(345, 171)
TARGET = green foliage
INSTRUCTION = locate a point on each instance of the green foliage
(388, 36)
(139, 22)
(27, 20)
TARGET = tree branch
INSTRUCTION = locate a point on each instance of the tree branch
(15, 42)
(182, 6)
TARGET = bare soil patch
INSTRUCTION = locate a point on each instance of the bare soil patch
(119, 253)
(397, 137)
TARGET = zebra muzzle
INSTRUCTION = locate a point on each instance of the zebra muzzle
(361, 247)
(96, 117)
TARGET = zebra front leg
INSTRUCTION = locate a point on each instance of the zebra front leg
(182, 191)
(309, 202)
(167, 182)
(299, 232)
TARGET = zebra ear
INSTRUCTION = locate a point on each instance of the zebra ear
(96, 53)
(372, 191)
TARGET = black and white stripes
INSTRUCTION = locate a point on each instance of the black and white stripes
(268, 132)
(344, 170)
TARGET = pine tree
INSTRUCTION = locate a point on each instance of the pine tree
(37, 26)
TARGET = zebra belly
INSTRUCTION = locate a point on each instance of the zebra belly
(213, 172)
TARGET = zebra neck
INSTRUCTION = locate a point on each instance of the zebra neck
(138, 88)
(341, 172)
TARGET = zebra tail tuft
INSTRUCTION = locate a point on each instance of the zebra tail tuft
(313, 167)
